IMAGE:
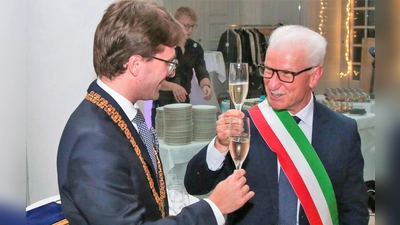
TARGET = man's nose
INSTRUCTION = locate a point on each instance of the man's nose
(273, 83)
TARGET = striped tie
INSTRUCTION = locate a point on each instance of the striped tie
(149, 137)
(287, 197)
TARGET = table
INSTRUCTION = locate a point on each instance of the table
(55, 198)
(215, 63)
(215, 66)
(176, 157)
(366, 129)
(368, 106)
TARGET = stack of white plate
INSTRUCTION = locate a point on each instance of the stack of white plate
(204, 122)
(159, 120)
(178, 124)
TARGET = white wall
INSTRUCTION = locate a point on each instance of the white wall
(59, 70)
(12, 100)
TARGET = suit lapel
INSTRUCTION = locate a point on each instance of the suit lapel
(319, 128)
(94, 87)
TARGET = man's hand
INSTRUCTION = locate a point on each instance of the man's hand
(222, 140)
(179, 93)
(207, 92)
(231, 193)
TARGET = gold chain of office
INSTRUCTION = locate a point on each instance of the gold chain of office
(116, 117)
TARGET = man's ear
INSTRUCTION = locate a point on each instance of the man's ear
(315, 76)
(134, 63)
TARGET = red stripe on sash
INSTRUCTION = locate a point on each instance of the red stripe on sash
(287, 164)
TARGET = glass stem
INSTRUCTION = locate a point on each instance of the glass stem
(238, 106)
(238, 165)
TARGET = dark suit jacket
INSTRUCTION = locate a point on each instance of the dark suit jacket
(101, 179)
(337, 142)
(228, 46)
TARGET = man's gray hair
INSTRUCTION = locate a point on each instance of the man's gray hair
(296, 37)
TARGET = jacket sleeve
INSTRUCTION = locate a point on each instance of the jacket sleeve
(338, 145)
(200, 65)
(106, 183)
(352, 204)
(199, 179)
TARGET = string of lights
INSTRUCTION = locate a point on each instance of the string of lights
(322, 16)
(347, 53)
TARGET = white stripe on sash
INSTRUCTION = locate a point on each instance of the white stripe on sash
(299, 161)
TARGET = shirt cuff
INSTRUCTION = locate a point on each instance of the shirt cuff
(217, 213)
(214, 158)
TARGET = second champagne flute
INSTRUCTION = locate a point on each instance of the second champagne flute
(238, 83)
(239, 140)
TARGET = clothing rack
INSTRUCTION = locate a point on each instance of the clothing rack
(251, 51)
(265, 29)
(255, 25)
(247, 43)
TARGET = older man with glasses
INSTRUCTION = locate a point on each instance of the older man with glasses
(305, 163)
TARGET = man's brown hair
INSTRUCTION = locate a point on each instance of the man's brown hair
(132, 27)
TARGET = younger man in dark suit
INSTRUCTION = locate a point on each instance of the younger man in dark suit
(108, 167)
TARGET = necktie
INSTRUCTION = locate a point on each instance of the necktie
(297, 119)
(148, 137)
(287, 197)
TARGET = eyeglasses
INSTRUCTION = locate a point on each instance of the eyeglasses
(172, 64)
(283, 75)
(188, 26)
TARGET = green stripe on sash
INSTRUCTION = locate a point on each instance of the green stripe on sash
(313, 160)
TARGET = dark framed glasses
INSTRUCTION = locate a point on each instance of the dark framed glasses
(172, 64)
(283, 75)
(188, 26)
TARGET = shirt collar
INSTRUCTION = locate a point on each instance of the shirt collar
(306, 114)
(128, 107)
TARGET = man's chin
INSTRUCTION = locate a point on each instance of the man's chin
(276, 104)
(155, 96)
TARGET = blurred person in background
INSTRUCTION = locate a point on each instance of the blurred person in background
(191, 58)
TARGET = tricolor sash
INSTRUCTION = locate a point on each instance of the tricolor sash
(300, 162)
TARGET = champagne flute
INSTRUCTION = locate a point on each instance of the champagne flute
(239, 140)
(238, 83)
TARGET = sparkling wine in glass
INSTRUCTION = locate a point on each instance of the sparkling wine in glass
(239, 140)
(238, 83)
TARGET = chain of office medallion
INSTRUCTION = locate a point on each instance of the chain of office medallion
(116, 117)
